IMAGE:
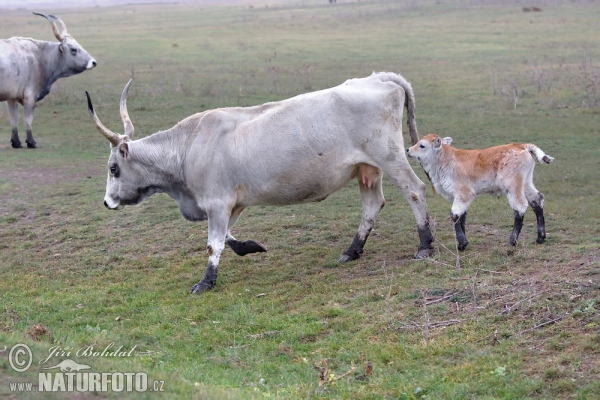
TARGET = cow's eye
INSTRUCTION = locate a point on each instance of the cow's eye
(74, 52)
(113, 169)
(421, 146)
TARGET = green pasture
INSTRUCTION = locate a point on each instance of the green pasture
(292, 323)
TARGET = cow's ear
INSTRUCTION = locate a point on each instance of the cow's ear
(447, 140)
(61, 48)
(437, 143)
(124, 150)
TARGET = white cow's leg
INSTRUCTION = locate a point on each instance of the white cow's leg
(371, 192)
(217, 231)
(29, 107)
(413, 190)
(241, 248)
(13, 116)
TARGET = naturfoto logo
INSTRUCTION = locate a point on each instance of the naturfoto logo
(68, 376)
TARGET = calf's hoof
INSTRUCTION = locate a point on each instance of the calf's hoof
(201, 287)
(31, 145)
(463, 246)
(16, 144)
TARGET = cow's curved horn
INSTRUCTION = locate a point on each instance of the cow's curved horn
(124, 114)
(58, 26)
(112, 137)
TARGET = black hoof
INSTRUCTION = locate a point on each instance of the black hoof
(202, 287)
(540, 240)
(16, 144)
(247, 247)
(423, 253)
(31, 145)
(463, 246)
(346, 257)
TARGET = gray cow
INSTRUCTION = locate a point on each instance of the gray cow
(29, 67)
(216, 163)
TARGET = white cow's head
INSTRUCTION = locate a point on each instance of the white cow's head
(427, 149)
(129, 181)
(75, 58)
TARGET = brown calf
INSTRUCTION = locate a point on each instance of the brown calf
(462, 175)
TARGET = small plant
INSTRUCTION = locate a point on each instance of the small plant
(499, 371)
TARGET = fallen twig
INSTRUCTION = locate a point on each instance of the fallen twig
(540, 325)
(440, 299)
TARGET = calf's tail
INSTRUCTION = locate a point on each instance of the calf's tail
(539, 154)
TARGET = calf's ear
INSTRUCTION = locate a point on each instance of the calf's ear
(447, 140)
(437, 143)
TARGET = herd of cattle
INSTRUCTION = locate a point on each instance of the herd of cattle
(216, 163)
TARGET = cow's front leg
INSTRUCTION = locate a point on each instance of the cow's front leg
(217, 231)
(241, 248)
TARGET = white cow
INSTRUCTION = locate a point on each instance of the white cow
(462, 175)
(29, 67)
(218, 162)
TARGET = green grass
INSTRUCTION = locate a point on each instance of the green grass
(487, 325)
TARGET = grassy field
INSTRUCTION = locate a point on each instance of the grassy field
(291, 322)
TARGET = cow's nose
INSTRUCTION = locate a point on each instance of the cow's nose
(106, 204)
(407, 150)
(94, 63)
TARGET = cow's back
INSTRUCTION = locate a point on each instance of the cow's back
(307, 146)
(17, 61)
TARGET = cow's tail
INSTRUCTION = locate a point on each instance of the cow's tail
(409, 102)
(539, 154)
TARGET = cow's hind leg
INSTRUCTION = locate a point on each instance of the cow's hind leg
(13, 116)
(217, 231)
(29, 108)
(371, 192)
(413, 190)
(241, 248)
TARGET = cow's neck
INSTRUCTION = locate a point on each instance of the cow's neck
(163, 154)
(54, 67)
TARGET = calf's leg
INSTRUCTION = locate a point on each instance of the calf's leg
(517, 201)
(536, 201)
(514, 236)
(459, 228)
(371, 192)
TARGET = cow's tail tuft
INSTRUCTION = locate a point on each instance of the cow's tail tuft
(539, 154)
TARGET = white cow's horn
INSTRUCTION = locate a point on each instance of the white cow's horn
(58, 26)
(124, 114)
(112, 137)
